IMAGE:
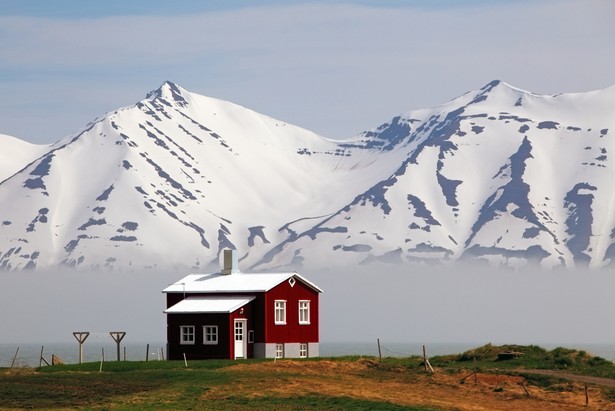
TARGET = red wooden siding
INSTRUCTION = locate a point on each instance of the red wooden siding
(292, 331)
(248, 314)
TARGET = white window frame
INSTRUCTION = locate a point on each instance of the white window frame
(304, 312)
(210, 331)
(280, 312)
(303, 350)
(187, 334)
(279, 351)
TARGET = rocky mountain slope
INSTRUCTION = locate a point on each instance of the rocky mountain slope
(498, 175)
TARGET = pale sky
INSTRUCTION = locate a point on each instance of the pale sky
(334, 67)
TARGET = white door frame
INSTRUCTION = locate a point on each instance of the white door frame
(240, 335)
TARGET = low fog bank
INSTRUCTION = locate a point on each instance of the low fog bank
(48, 306)
(466, 304)
(459, 304)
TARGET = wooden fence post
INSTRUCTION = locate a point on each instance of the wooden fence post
(14, 358)
(81, 336)
(463, 380)
(379, 352)
(426, 361)
(117, 337)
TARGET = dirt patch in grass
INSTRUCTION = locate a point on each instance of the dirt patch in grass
(369, 380)
(607, 382)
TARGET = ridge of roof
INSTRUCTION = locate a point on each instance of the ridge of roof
(236, 282)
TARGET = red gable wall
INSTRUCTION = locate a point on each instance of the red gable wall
(292, 331)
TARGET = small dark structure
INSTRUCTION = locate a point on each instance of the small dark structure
(508, 355)
(242, 315)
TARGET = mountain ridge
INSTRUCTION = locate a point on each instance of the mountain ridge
(498, 175)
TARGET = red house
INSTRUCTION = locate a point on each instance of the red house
(231, 314)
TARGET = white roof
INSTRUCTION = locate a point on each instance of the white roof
(233, 283)
(208, 305)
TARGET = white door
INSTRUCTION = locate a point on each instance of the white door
(240, 339)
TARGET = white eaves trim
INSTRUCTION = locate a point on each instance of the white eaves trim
(208, 305)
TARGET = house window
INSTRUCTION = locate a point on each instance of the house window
(210, 334)
(279, 351)
(303, 350)
(304, 312)
(186, 334)
(251, 336)
(280, 312)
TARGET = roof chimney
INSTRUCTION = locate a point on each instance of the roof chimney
(231, 264)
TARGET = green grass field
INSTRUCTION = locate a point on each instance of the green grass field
(154, 386)
(341, 383)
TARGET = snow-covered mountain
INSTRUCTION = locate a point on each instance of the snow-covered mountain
(498, 175)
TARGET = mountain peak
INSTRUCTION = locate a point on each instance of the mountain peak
(169, 92)
(492, 84)
(496, 91)
(498, 85)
